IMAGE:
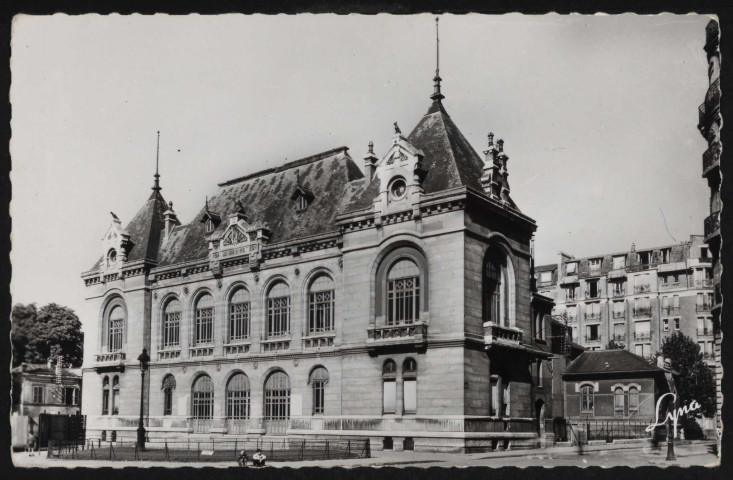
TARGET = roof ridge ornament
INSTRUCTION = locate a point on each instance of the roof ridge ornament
(156, 183)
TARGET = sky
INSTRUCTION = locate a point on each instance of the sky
(598, 114)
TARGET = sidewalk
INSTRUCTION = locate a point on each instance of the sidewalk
(391, 458)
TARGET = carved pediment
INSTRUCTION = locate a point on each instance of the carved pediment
(233, 236)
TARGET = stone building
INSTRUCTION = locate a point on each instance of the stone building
(635, 298)
(709, 126)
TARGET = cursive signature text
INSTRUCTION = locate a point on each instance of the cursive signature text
(672, 415)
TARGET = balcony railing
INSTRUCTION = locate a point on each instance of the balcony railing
(495, 334)
(707, 355)
(712, 98)
(238, 348)
(169, 354)
(617, 294)
(317, 340)
(592, 315)
(703, 307)
(711, 156)
(643, 312)
(704, 331)
(669, 285)
(201, 351)
(618, 338)
(670, 310)
(619, 314)
(590, 295)
(712, 225)
(274, 344)
(110, 357)
(642, 288)
(704, 283)
(593, 339)
(405, 333)
(642, 335)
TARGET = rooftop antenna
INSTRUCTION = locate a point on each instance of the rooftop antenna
(437, 96)
(156, 186)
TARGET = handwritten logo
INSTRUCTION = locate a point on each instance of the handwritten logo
(673, 415)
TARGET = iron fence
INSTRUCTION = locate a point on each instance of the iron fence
(608, 430)
(210, 450)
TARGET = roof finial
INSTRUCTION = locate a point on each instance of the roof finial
(156, 185)
(397, 130)
(437, 96)
(207, 203)
(491, 138)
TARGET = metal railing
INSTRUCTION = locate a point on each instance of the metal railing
(211, 450)
(703, 307)
(704, 283)
(593, 339)
(619, 314)
(670, 310)
(618, 338)
(712, 224)
(643, 312)
(704, 331)
(642, 335)
(711, 156)
(642, 288)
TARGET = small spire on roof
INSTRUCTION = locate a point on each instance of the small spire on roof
(371, 147)
(397, 130)
(500, 145)
(437, 96)
(491, 138)
(207, 203)
(156, 184)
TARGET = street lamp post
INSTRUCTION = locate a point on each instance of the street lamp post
(670, 434)
(143, 359)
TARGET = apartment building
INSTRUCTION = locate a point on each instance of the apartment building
(709, 126)
(635, 299)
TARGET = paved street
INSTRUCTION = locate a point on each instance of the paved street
(698, 454)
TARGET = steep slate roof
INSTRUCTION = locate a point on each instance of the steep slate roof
(266, 197)
(145, 230)
(610, 361)
(450, 160)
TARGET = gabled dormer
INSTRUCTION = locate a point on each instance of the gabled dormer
(116, 245)
(240, 241)
(302, 197)
(401, 174)
(210, 218)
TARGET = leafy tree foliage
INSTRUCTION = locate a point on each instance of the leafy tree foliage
(695, 380)
(39, 334)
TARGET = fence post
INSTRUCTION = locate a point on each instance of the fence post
(272, 448)
(167, 454)
(188, 447)
(198, 451)
(235, 449)
(348, 449)
(302, 449)
(326, 449)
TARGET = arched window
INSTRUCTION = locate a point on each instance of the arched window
(277, 396)
(238, 397)
(115, 395)
(203, 398)
(115, 328)
(204, 331)
(318, 380)
(105, 395)
(403, 292)
(172, 324)
(409, 385)
(278, 310)
(389, 386)
(586, 399)
(618, 402)
(321, 297)
(633, 401)
(169, 384)
(239, 306)
(496, 290)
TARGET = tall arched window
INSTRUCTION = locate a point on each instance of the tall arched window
(618, 402)
(172, 324)
(321, 296)
(278, 311)
(115, 328)
(277, 396)
(586, 399)
(409, 385)
(105, 395)
(403, 292)
(204, 331)
(169, 384)
(389, 386)
(202, 398)
(318, 380)
(115, 395)
(239, 307)
(496, 290)
(238, 397)
(633, 401)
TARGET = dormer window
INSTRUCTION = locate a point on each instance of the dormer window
(301, 203)
(397, 189)
(112, 257)
(210, 226)
(302, 197)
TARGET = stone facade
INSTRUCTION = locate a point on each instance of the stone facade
(426, 329)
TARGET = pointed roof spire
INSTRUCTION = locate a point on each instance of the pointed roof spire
(156, 185)
(437, 96)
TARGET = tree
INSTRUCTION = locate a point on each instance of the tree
(695, 379)
(51, 331)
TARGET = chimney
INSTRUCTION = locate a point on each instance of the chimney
(170, 219)
(370, 162)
